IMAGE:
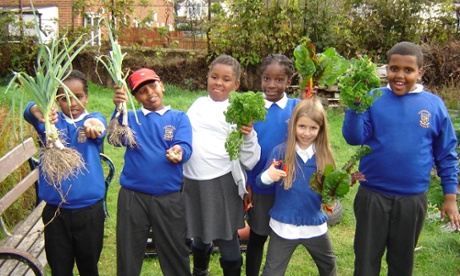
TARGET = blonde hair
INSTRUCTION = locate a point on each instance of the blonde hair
(313, 109)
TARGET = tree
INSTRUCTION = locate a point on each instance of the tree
(250, 30)
(374, 26)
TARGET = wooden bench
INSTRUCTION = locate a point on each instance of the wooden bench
(22, 252)
(26, 243)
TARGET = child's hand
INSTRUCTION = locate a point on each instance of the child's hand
(119, 96)
(93, 128)
(34, 110)
(274, 173)
(248, 198)
(450, 208)
(174, 154)
(246, 129)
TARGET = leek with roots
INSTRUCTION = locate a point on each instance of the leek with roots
(118, 133)
(57, 161)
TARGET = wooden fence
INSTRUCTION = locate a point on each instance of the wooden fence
(152, 37)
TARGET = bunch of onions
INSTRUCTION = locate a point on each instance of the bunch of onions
(57, 161)
(118, 133)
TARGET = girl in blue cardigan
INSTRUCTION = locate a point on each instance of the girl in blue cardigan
(296, 217)
(276, 74)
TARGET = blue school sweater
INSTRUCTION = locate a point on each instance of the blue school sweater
(88, 186)
(146, 168)
(408, 135)
(299, 205)
(271, 132)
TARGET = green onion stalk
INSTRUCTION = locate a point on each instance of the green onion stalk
(118, 133)
(57, 161)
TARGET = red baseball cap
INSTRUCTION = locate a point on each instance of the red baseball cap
(140, 76)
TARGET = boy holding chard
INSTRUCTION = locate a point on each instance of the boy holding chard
(409, 131)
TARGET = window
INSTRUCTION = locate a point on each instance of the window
(92, 20)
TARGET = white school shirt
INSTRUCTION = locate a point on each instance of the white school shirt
(281, 103)
(210, 159)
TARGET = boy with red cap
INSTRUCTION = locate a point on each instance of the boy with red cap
(151, 180)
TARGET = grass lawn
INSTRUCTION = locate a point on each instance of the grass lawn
(438, 254)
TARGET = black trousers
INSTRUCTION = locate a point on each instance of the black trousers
(280, 251)
(387, 222)
(74, 236)
(165, 214)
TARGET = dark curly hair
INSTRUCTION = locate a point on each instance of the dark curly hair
(282, 60)
(77, 75)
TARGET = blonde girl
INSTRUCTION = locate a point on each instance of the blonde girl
(296, 217)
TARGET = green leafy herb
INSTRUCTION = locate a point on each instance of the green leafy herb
(357, 82)
(335, 184)
(244, 108)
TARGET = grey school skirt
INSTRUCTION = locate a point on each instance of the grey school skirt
(213, 208)
(259, 219)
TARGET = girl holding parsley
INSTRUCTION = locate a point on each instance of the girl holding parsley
(296, 217)
(213, 203)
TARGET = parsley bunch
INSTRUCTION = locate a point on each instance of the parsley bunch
(357, 83)
(244, 108)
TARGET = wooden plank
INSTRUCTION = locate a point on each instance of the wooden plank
(19, 263)
(33, 243)
(25, 227)
(28, 238)
(9, 266)
(16, 157)
(26, 270)
(29, 242)
(12, 195)
(36, 246)
(25, 249)
(12, 266)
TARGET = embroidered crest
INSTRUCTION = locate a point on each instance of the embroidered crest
(81, 135)
(424, 118)
(169, 132)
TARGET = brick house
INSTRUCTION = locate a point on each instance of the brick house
(59, 16)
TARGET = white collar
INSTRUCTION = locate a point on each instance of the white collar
(225, 102)
(74, 120)
(161, 111)
(281, 103)
(418, 88)
(307, 153)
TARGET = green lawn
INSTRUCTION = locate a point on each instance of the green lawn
(438, 252)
